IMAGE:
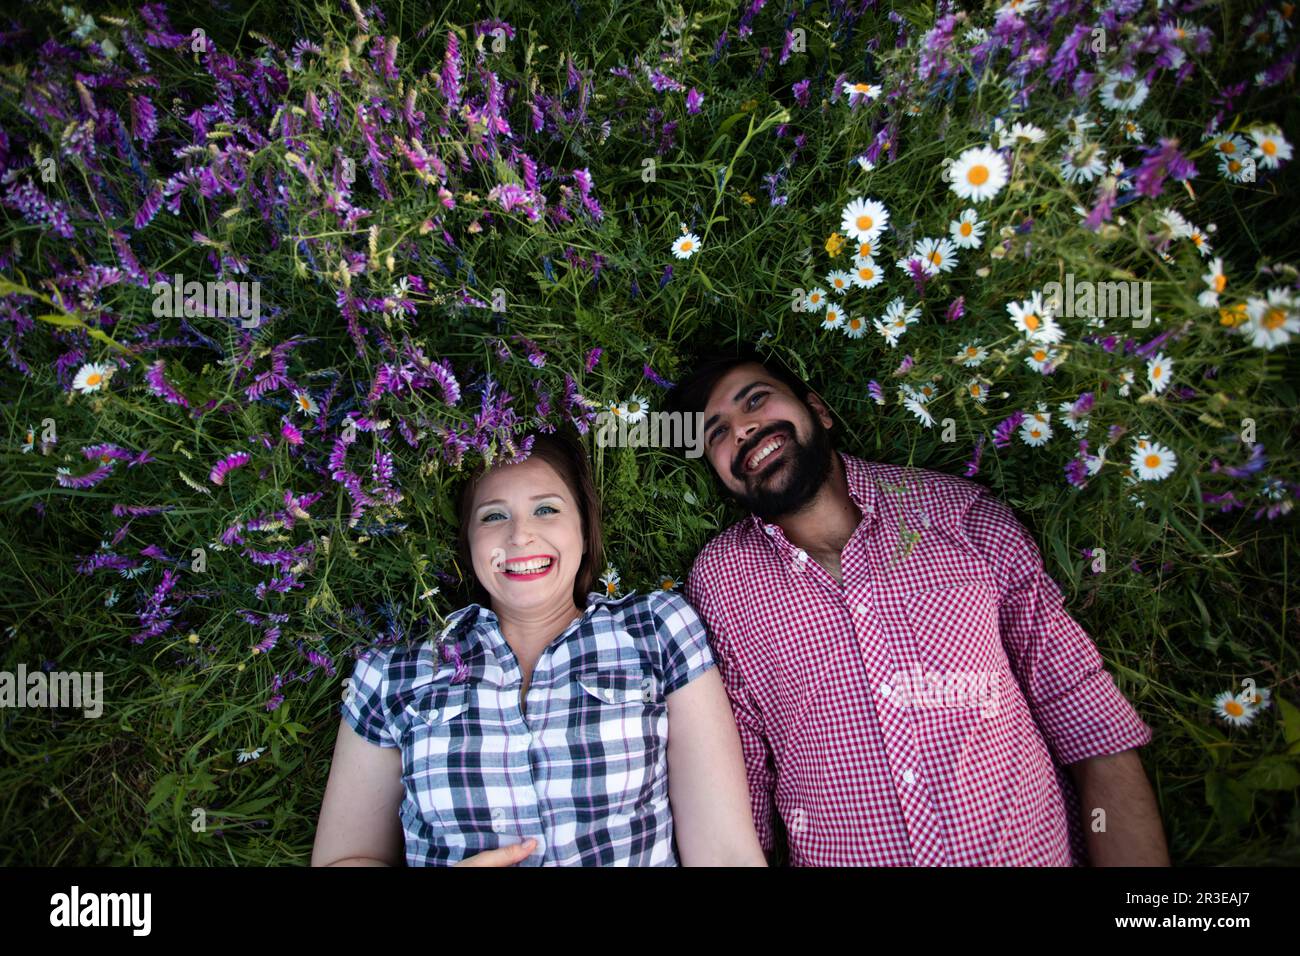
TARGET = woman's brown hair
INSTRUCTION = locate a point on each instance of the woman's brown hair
(563, 452)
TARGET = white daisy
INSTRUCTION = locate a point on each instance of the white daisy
(864, 219)
(1125, 381)
(937, 255)
(305, 403)
(1021, 134)
(610, 580)
(920, 411)
(635, 409)
(1259, 700)
(1200, 241)
(839, 281)
(1076, 125)
(977, 391)
(815, 300)
(1271, 323)
(1035, 432)
(1094, 462)
(1229, 144)
(30, 443)
(966, 230)
(889, 331)
(866, 249)
(92, 376)
(920, 393)
(979, 173)
(1158, 372)
(1123, 95)
(244, 756)
(1270, 147)
(867, 274)
(855, 326)
(1152, 461)
(1237, 169)
(834, 318)
(686, 245)
(1175, 222)
(1034, 319)
(861, 92)
(1133, 131)
(972, 354)
(1076, 423)
(1084, 163)
(1232, 710)
(1041, 358)
(1216, 280)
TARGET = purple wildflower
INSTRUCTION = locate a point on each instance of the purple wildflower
(219, 471)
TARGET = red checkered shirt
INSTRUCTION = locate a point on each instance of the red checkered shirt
(921, 713)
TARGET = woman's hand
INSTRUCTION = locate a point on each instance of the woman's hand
(502, 856)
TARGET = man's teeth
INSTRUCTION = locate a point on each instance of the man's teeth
(763, 452)
(521, 567)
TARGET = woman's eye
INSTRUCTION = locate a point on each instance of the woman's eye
(492, 515)
(543, 509)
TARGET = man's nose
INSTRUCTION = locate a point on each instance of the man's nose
(744, 429)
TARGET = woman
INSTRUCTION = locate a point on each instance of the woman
(540, 733)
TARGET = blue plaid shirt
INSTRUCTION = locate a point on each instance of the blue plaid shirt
(584, 770)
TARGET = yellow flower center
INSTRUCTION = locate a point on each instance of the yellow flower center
(1031, 322)
(1227, 146)
(686, 246)
(1040, 356)
(1151, 461)
(1234, 708)
(1157, 372)
(978, 175)
(1274, 318)
(1269, 147)
(94, 378)
(866, 273)
(965, 229)
(864, 249)
(936, 257)
(975, 391)
(1234, 166)
(865, 222)
(1220, 282)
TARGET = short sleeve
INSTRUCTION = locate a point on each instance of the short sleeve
(1074, 700)
(363, 701)
(682, 637)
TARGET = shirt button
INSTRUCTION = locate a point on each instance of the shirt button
(609, 694)
(885, 690)
(909, 777)
(498, 820)
(860, 608)
(433, 714)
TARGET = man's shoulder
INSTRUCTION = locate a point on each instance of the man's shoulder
(723, 548)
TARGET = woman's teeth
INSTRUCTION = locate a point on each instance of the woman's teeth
(524, 567)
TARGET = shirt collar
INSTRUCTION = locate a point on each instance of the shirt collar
(467, 618)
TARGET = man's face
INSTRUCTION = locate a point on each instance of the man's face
(768, 448)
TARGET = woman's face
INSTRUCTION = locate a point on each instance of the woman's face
(525, 537)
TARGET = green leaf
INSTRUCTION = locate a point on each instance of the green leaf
(1290, 720)
(1272, 773)
(1231, 801)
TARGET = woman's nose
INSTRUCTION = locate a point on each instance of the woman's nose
(520, 532)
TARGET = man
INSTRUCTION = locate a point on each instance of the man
(907, 685)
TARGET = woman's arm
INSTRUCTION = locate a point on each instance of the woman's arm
(359, 824)
(706, 778)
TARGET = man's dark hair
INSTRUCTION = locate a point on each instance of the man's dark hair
(691, 393)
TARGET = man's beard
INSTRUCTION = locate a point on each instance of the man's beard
(808, 466)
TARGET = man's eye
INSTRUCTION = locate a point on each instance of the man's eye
(716, 432)
(755, 398)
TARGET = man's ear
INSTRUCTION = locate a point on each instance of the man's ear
(820, 409)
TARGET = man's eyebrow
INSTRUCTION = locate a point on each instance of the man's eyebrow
(708, 424)
(501, 501)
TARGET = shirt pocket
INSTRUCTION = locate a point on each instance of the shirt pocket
(959, 646)
(437, 770)
(620, 722)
